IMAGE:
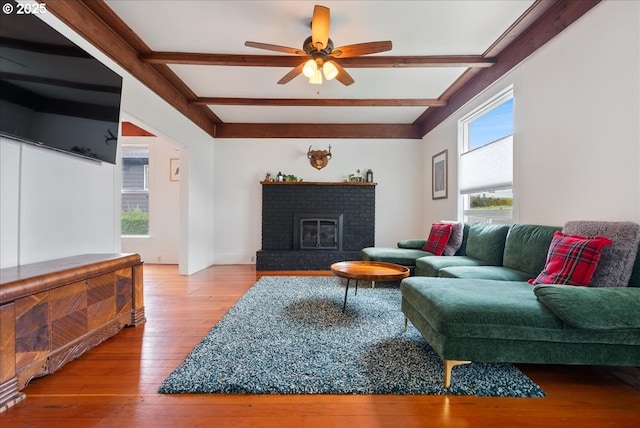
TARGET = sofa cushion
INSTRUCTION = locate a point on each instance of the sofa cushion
(499, 273)
(401, 256)
(617, 260)
(465, 238)
(414, 244)
(526, 248)
(480, 308)
(438, 238)
(572, 259)
(431, 266)
(592, 308)
(455, 239)
(486, 242)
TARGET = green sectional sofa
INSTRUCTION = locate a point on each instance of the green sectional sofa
(517, 253)
(483, 309)
(494, 251)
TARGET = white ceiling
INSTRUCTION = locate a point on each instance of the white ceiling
(414, 27)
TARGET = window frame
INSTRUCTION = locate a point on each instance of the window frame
(140, 191)
(464, 123)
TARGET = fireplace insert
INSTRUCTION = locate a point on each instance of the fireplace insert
(317, 231)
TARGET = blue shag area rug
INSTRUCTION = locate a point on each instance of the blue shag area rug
(288, 335)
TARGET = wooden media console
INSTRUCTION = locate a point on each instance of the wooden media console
(54, 311)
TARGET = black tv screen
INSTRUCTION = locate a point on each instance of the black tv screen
(55, 94)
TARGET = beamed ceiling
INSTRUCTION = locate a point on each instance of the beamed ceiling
(192, 54)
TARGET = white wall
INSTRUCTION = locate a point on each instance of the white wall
(197, 203)
(9, 201)
(196, 170)
(58, 192)
(240, 165)
(577, 132)
(55, 205)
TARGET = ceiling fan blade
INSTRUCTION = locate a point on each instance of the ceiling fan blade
(361, 49)
(320, 24)
(343, 77)
(275, 48)
(291, 75)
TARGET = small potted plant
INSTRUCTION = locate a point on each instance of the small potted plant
(357, 177)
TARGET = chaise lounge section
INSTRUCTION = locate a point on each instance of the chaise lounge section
(489, 319)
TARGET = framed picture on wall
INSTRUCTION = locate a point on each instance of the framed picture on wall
(439, 171)
(174, 169)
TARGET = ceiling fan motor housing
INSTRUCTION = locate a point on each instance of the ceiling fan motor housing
(310, 49)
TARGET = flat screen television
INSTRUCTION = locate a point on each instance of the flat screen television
(55, 94)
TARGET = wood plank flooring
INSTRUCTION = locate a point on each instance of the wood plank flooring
(115, 384)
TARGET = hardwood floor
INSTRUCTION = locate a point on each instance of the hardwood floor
(115, 384)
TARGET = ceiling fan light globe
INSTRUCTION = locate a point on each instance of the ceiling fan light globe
(316, 79)
(330, 70)
(310, 68)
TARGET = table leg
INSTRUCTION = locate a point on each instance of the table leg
(346, 290)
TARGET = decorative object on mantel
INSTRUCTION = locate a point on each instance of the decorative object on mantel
(357, 177)
(320, 183)
(289, 178)
(319, 158)
(369, 176)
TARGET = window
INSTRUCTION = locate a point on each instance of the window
(486, 162)
(135, 190)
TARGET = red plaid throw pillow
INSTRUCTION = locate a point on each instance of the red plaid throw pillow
(438, 238)
(572, 259)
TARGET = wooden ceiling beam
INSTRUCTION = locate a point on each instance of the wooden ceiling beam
(317, 130)
(319, 102)
(448, 93)
(231, 60)
(97, 23)
(515, 30)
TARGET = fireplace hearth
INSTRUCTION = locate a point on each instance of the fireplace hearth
(309, 226)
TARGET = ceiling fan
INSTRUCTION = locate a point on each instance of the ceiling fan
(322, 55)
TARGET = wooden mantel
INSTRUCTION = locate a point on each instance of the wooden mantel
(318, 183)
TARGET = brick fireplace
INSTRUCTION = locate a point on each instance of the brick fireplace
(309, 226)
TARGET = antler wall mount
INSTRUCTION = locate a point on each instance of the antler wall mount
(319, 158)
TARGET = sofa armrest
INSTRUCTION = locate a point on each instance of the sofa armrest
(594, 308)
(415, 244)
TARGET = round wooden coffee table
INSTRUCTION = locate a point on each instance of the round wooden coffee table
(367, 271)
